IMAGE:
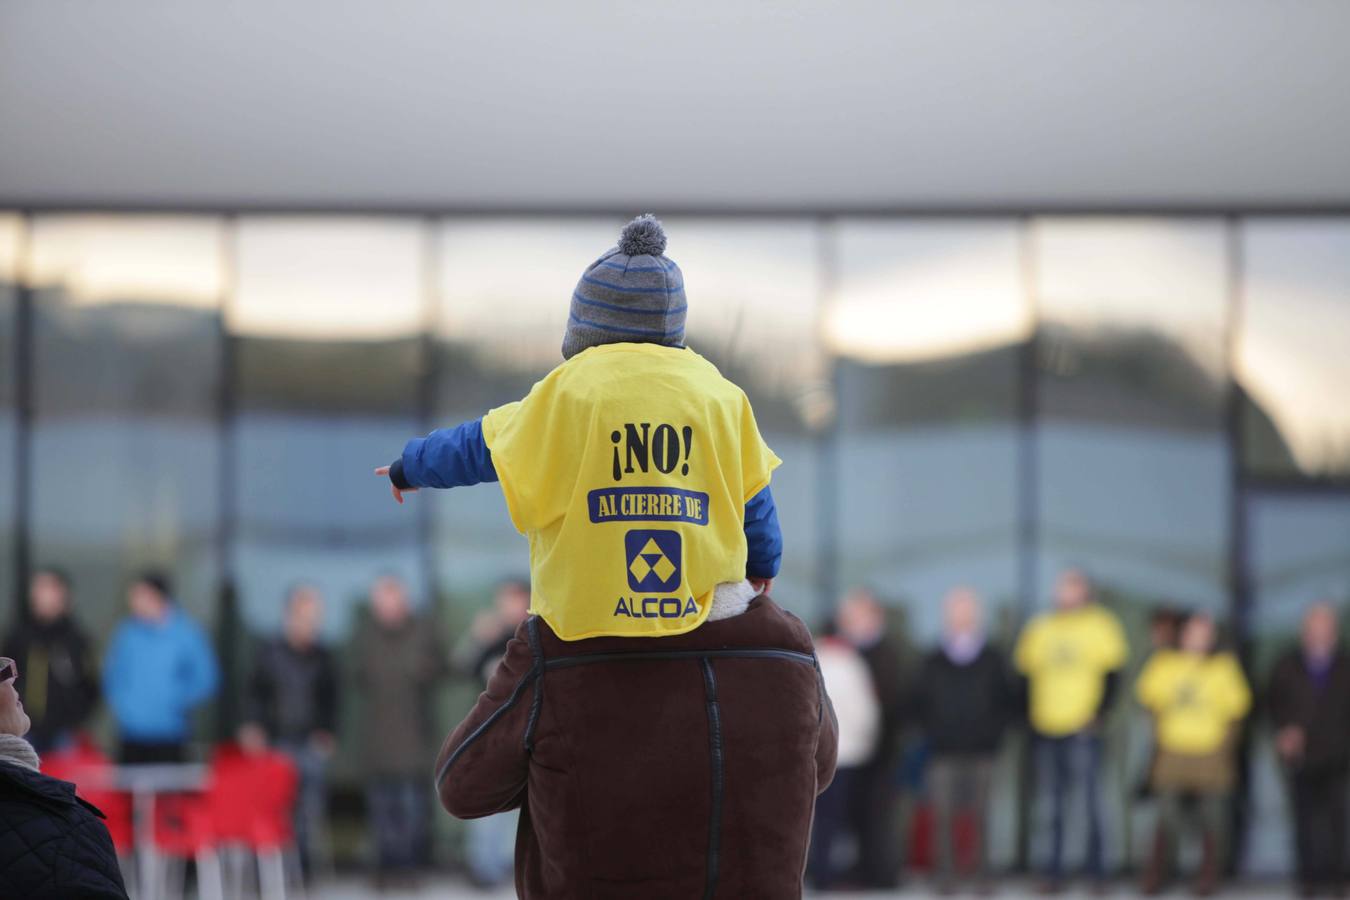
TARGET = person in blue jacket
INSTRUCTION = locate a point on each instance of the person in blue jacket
(158, 668)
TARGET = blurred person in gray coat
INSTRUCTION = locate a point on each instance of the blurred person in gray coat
(399, 662)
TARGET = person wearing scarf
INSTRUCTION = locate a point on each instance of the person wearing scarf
(53, 845)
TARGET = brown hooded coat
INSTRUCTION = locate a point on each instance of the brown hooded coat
(674, 767)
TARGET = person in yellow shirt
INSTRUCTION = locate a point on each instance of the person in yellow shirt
(1071, 657)
(1198, 697)
(635, 469)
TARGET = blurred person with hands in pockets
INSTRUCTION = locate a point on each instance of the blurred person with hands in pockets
(1071, 657)
(292, 704)
(1310, 710)
(965, 698)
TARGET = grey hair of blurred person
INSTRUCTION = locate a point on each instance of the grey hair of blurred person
(304, 611)
(962, 612)
(389, 600)
(1320, 632)
(1074, 589)
(860, 618)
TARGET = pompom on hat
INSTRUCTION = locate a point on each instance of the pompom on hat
(631, 294)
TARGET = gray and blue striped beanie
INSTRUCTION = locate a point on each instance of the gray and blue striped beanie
(632, 294)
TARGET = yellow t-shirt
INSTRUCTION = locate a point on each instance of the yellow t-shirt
(628, 467)
(1066, 655)
(1195, 699)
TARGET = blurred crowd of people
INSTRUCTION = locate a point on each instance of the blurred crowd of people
(936, 722)
(159, 665)
(931, 721)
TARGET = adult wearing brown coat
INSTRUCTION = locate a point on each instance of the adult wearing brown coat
(672, 767)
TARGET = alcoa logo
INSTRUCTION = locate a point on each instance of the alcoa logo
(653, 559)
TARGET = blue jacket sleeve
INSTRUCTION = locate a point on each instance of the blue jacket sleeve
(446, 458)
(762, 536)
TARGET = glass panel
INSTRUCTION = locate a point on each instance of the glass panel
(11, 245)
(125, 445)
(1291, 352)
(1299, 555)
(927, 321)
(328, 359)
(1133, 460)
(1132, 473)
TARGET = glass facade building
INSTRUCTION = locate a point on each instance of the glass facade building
(1163, 401)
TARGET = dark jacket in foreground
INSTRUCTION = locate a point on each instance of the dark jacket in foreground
(53, 845)
(1322, 711)
(965, 709)
(671, 767)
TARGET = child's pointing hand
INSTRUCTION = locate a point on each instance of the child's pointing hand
(383, 472)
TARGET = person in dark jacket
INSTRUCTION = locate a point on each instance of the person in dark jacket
(861, 621)
(53, 845)
(965, 697)
(399, 661)
(53, 652)
(292, 703)
(1310, 709)
(661, 768)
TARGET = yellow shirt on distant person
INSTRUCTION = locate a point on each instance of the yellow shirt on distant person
(1066, 655)
(628, 467)
(1195, 699)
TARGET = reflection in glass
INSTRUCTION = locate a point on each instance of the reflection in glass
(125, 443)
(1299, 555)
(1292, 358)
(927, 318)
(926, 290)
(754, 288)
(101, 259)
(327, 363)
(1133, 460)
